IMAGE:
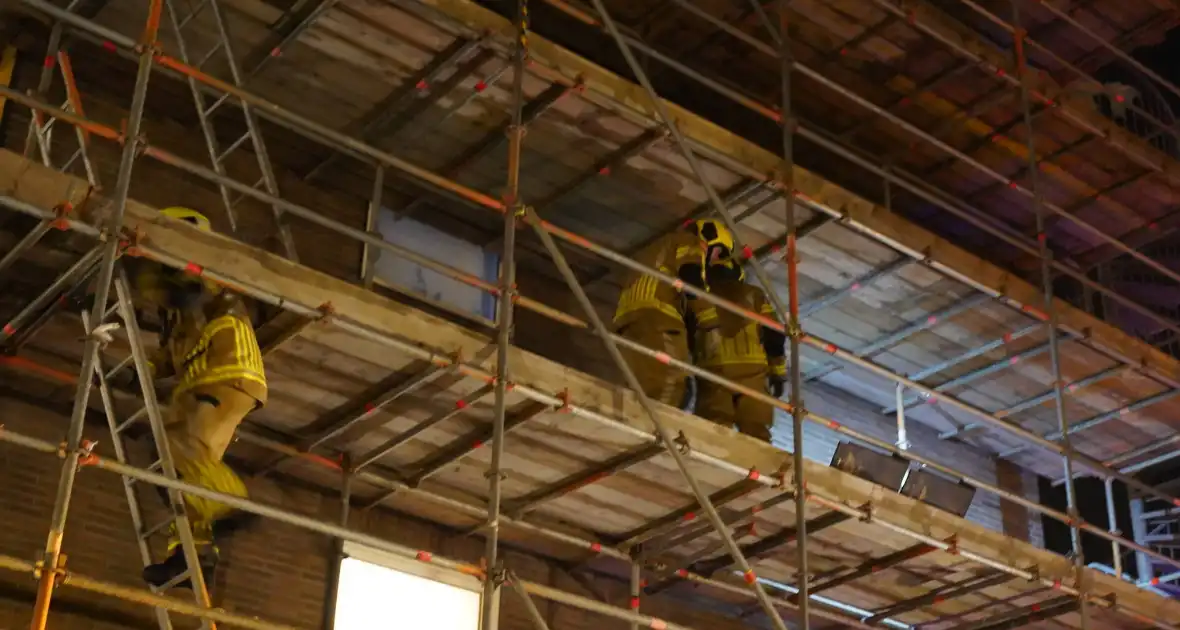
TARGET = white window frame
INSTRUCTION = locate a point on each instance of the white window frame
(409, 566)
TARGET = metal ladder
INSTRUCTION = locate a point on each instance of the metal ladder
(253, 134)
(42, 132)
(125, 312)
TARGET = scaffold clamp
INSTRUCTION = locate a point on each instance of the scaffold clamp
(129, 242)
(326, 311)
(564, 397)
(86, 456)
(62, 212)
(59, 571)
(103, 333)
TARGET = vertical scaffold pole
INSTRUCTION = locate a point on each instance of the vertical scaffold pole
(1112, 521)
(600, 329)
(530, 606)
(636, 585)
(346, 479)
(65, 486)
(794, 328)
(1079, 562)
(490, 603)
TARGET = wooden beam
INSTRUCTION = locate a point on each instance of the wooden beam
(1067, 103)
(727, 148)
(245, 266)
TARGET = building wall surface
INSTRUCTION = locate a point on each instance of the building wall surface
(819, 443)
(274, 571)
(339, 256)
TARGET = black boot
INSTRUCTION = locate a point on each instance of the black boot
(237, 521)
(164, 572)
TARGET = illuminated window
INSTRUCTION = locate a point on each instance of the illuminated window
(379, 590)
(434, 288)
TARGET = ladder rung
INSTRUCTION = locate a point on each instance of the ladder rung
(209, 55)
(233, 147)
(119, 367)
(218, 103)
(155, 529)
(191, 16)
(170, 584)
(130, 421)
(73, 158)
(241, 196)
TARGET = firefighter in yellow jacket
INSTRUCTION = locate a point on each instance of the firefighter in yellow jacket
(656, 315)
(208, 344)
(740, 350)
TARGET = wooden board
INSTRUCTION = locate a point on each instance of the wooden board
(621, 423)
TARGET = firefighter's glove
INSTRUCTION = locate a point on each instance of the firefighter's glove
(777, 378)
(776, 383)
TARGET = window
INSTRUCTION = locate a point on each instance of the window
(434, 288)
(380, 590)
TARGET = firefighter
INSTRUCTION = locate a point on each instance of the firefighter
(740, 350)
(208, 344)
(656, 315)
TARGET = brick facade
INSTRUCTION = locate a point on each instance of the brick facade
(339, 256)
(274, 571)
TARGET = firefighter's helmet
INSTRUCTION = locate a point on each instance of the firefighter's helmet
(713, 233)
(188, 215)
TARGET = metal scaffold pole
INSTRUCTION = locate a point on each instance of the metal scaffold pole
(568, 237)
(508, 296)
(51, 561)
(794, 327)
(1046, 255)
(612, 347)
(530, 606)
(1113, 523)
(495, 576)
(650, 411)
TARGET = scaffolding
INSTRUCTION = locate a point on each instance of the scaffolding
(1080, 591)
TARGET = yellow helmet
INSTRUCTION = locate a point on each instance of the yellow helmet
(188, 215)
(714, 232)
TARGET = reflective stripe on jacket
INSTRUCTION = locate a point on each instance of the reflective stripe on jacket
(727, 338)
(642, 292)
(213, 344)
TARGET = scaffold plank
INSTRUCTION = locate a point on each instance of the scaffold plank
(616, 93)
(596, 411)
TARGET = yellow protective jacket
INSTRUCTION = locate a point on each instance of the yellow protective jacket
(643, 294)
(212, 343)
(728, 340)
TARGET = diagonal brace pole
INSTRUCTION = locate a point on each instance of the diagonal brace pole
(785, 315)
(649, 408)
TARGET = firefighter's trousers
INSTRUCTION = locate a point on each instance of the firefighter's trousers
(663, 334)
(200, 425)
(726, 407)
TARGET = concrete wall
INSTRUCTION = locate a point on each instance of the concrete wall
(275, 571)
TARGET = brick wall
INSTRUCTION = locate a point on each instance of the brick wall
(339, 256)
(274, 571)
